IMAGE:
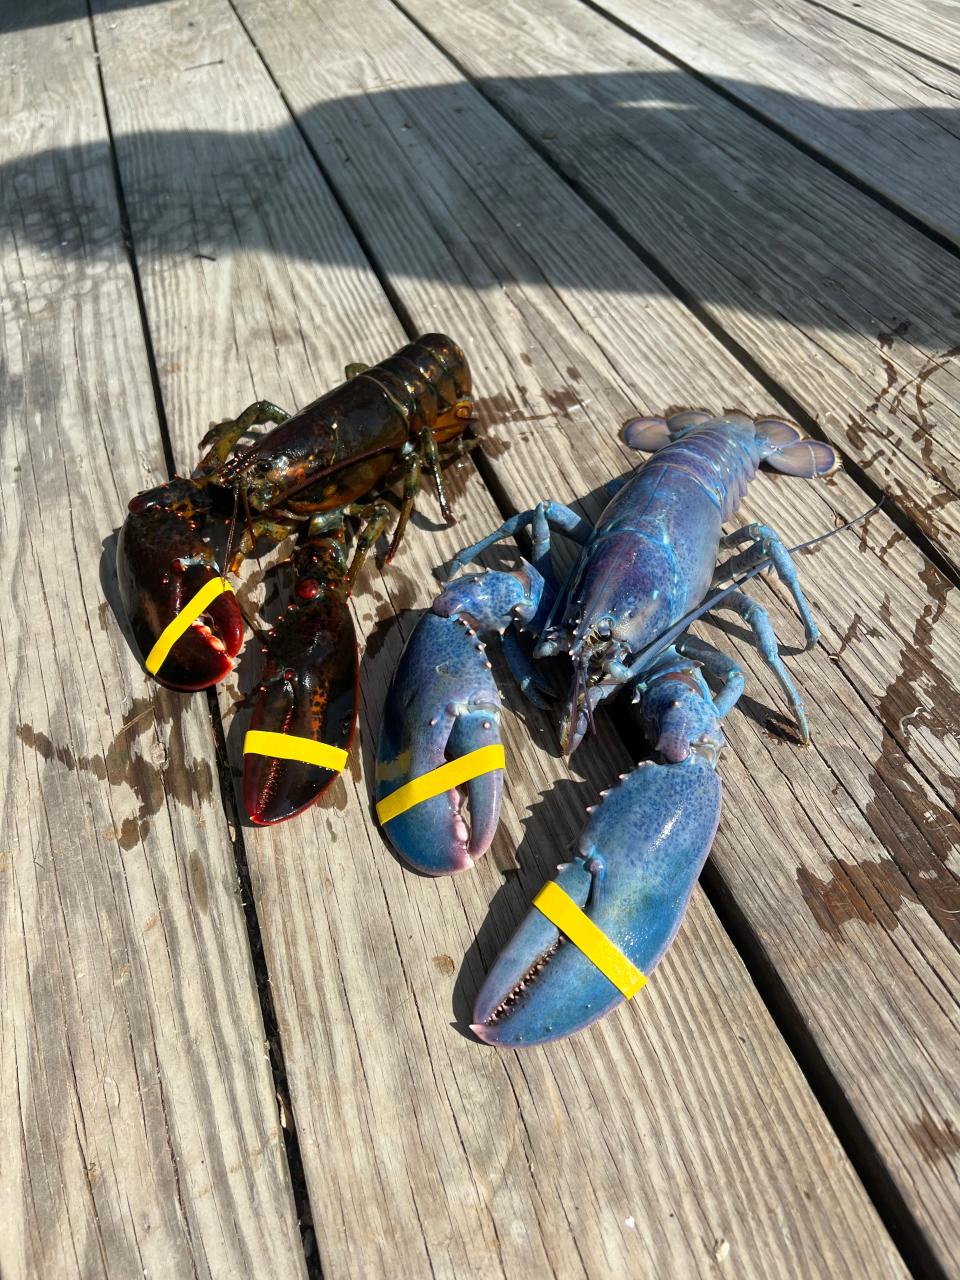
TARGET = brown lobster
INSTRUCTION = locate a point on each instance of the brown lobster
(307, 475)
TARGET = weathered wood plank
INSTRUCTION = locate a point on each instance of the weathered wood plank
(886, 114)
(811, 277)
(636, 1149)
(139, 1132)
(842, 858)
(930, 26)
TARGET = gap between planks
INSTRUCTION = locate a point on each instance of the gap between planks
(248, 901)
(629, 179)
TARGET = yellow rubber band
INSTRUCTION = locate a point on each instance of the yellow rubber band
(560, 909)
(434, 783)
(287, 746)
(192, 610)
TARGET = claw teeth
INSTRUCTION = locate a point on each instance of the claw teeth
(213, 640)
(508, 1002)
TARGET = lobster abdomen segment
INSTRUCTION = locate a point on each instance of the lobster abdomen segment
(350, 437)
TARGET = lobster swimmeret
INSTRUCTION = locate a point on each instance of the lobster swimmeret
(307, 475)
(621, 616)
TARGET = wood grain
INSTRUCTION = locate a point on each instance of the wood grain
(139, 1131)
(842, 858)
(837, 300)
(929, 26)
(664, 1141)
(885, 114)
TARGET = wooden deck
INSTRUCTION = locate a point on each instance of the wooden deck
(228, 1051)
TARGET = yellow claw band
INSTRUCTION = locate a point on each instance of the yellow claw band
(434, 783)
(560, 909)
(287, 746)
(192, 610)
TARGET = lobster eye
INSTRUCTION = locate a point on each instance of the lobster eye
(264, 465)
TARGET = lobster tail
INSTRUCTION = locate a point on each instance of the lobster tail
(786, 449)
(650, 434)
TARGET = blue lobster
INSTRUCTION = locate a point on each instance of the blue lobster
(644, 572)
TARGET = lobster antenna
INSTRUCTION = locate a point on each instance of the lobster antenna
(230, 532)
(667, 638)
(588, 704)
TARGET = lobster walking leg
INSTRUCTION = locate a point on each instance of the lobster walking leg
(431, 455)
(766, 544)
(555, 514)
(720, 665)
(411, 486)
(758, 620)
(222, 437)
(376, 517)
(414, 455)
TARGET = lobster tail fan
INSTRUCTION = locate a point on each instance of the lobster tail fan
(650, 434)
(646, 434)
(788, 450)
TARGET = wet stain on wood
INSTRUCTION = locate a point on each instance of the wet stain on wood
(122, 765)
(335, 796)
(938, 1140)
(378, 636)
(198, 881)
(874, 892)
(403, 589)
(857, 630)
(887, 340)
(562, 401)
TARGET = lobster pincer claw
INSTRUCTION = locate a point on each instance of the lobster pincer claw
(441, 729)
(305, 715)
(185, 619)
(641, 853)
(491, 600)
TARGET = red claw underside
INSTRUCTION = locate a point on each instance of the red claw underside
(204, 654)
(310, 690)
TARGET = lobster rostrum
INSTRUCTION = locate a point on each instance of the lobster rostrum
(379, 426)
(643, 572)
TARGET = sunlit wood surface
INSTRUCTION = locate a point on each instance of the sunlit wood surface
(236, 1051)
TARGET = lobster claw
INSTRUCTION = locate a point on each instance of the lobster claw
(640, 856)
(442, 705)
(162, 563)
(309, 693)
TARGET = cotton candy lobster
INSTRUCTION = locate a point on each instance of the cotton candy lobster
(621, 617)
